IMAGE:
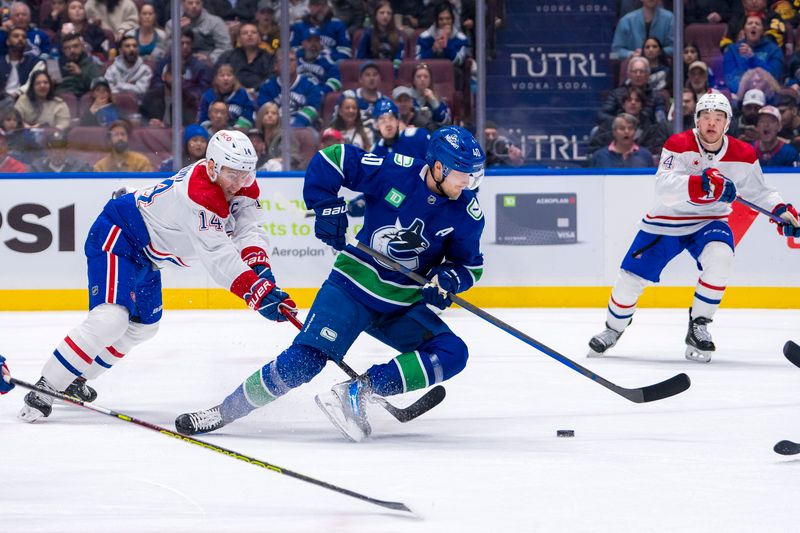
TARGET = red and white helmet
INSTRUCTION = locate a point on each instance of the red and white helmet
(714, 101)
(232, 149)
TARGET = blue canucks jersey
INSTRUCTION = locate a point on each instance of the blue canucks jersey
(332, 33)
(412, 142)
(403, 220)
(323, 71)
(305, 99)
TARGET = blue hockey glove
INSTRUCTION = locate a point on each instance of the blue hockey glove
(357, 206)
(257, 260)
(717, 186)
(789, 214)
(331, 222)
(5, 377)
(442, 279)
(265, 297)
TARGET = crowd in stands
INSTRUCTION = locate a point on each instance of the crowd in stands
(88, 82)
(749, 54)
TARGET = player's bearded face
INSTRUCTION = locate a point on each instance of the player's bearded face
(455, 182)
(232, 180)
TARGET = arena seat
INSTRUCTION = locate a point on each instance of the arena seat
(329, 102)
(88, 138)
(442, 72)
(350, 71)
(707, 38)
(127, 103)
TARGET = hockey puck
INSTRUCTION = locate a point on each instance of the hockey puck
(565, 433)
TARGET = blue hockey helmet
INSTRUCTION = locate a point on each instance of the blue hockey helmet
(457, 149)
(383, 106)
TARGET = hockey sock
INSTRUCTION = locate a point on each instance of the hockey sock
(622, 303)
(436, 360)
(716, 260)
(297, 364)
(75, 354)
(112, 354)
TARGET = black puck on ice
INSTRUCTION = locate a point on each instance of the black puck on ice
(565, 433)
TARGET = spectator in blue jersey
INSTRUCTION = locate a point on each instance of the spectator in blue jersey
(225, 87)
(410, 141)
(211, 35)
(408, 114)
(347, 121)
(752, 51)
(332, 31)
(772, 151)
(217, 118)
(251, 63)
(306, 96)
(369, 79)
(632, 30)
(383, 40)
(195, 142)
(102, 111)
(443, 40)
(16, 64)
(623, 152)
(316, 65)
(426, 101)
(19, 16)
(196, 76)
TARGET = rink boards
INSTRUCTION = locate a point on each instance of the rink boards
(552, 239)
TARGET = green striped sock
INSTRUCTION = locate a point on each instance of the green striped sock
(411, 371)
(255, 390)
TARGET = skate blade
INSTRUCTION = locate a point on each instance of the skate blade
(698, 356)
(30, 414)
(333, 411)
(595, 355)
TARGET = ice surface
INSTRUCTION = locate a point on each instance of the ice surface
(486, 459)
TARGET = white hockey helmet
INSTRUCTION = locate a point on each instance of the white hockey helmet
(714, 101)
(232, 149)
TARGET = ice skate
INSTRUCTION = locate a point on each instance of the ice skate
(200, 421)
(80, 390)
(603, 341)
(345, 406)
(37, 405)
(699, 346)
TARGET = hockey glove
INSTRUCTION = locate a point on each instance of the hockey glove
(711, 186)
(331, 222)
(257, 260)
(5, 377)
(443, 279)
(789, 214)
(357, 206)
(265, 297)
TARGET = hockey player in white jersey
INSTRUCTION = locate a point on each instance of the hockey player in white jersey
(208, 213)
(700, 173)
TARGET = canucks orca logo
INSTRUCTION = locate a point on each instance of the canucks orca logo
(401, 244)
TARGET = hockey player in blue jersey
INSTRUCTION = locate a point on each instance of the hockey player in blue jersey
(317, 66)
(305, 96)
(423, 214)
(333, 31)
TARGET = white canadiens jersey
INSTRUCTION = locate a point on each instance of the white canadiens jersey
(189, 219)
(674, 212)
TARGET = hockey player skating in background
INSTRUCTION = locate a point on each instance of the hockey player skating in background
(700, 174)
(208, 211)
(425, 216)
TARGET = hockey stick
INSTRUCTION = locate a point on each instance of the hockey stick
(792, 352)
(395, 506)
(428, 401)
(754, 207)
(670, 387)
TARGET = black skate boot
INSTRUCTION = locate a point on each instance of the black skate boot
(80, 390)
(200, 421)
(37, 405)
(346, 407)
(699, 346)
(603, 341)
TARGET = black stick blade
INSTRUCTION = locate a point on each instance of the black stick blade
(670, 387)
(428, 401)
(792, 352)
(787, 447)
